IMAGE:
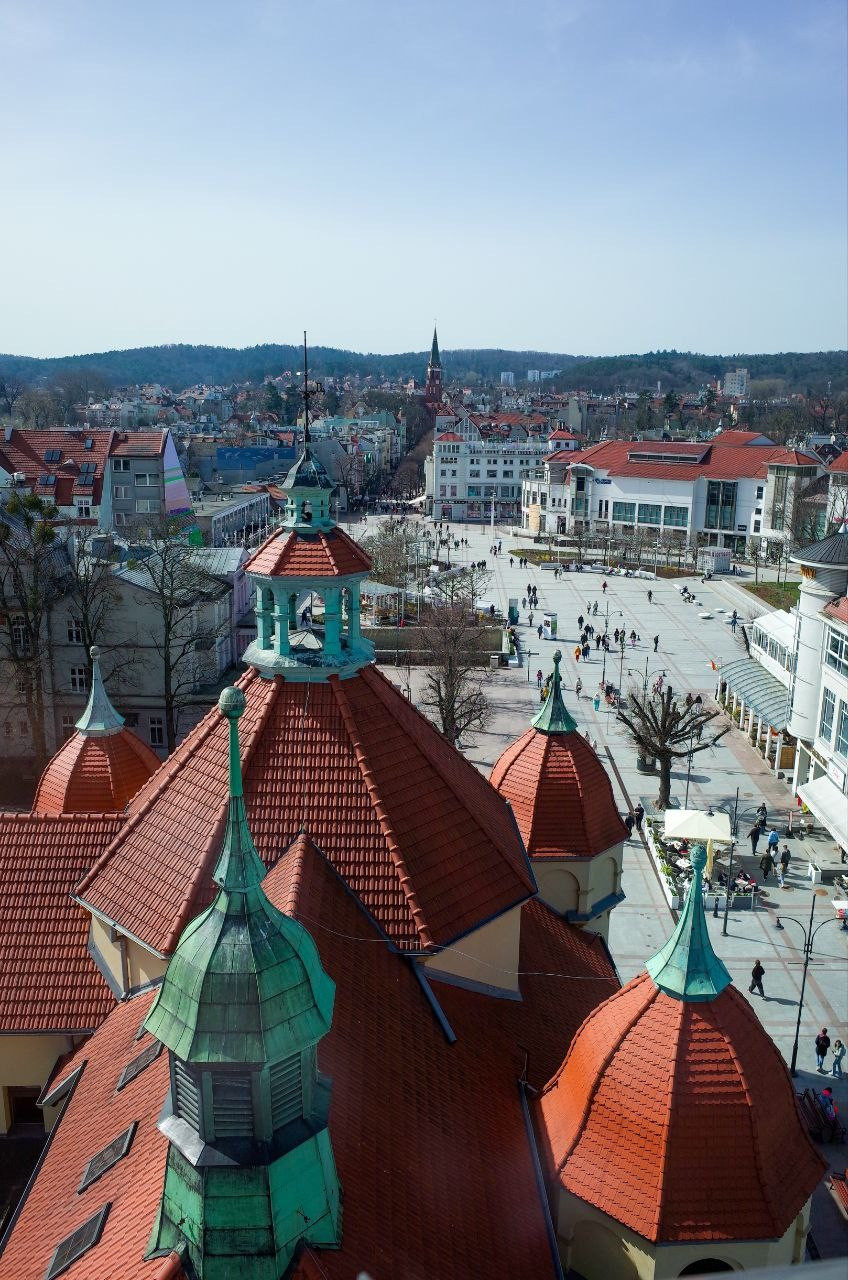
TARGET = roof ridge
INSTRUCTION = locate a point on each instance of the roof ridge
(372, 671)
(380, 811)
(606, 1060)
(673, 1105)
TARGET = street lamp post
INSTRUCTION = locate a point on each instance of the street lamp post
(809, 934)
(688, 768)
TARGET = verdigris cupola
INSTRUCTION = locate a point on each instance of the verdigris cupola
(308, 578)
(250, 1170)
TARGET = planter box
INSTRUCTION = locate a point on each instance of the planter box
(671, 895)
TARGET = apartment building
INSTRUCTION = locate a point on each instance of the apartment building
(144, 481)
(473, 466)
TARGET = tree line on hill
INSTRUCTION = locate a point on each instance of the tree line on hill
(183, 364)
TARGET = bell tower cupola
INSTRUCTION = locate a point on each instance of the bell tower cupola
(244, 1003)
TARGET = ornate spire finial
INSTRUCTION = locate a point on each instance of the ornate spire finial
(305, 397)
(99, 718)
(687, 968)
(239, 867)
(553, 717)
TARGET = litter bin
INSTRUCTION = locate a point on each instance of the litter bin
(513, 611)
(494, 661)
(549, 626)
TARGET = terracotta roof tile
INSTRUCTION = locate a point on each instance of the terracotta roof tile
(24, 452)
(699, 1106)
(290, 553)
(428, 1136)
(138, 444)
(415, 829)
(560, 794)
(726, 462)
(837, 609)
(48, 981)
(95, 774)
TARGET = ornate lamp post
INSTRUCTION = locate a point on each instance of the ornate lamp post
(809, 934)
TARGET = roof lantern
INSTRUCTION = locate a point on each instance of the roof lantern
(687, 968)
(101, 766)
(243, 1005)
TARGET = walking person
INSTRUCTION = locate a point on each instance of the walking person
(762, 814)
(595, 609)
(628, 822)
(586, 651)
(656, 643)
(785, 859)
(773, 842)
(767, 864)
(578, 687)
(650, 596)
(604, 586)
(539, 678)
(822, 1046)
(838, 1055)
(757, 975)
(639, 814)
(540, 630)
(754, 836)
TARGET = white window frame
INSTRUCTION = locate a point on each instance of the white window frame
(75, 633)
(79, 679)
(156, 730)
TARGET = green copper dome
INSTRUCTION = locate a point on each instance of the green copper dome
(687, 968)
(553, 717)
(245, 984)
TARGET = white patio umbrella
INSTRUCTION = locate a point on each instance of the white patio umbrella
(694, 824)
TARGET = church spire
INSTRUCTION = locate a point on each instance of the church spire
(553, 717)
(100, 719)
(687, 968)
(435, 361)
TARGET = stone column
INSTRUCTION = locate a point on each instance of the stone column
(264, 618)
(353, 615)
(777, 750)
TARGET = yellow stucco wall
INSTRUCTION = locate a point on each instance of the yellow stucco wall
(26, 1061)
(488, 956)
(577, 884)
(141, 965)
(600, 1248)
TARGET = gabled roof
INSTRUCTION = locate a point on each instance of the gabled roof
(415, 830)
(713, 461)
(841, 463)
(429, 1136)
(735, 436)
(297, 554)
(48, 981)
(25, 453)
(697, 1104)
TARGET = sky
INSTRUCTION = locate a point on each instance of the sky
(582, 176)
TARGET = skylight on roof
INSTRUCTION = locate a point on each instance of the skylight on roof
(79, 1242)
(109, 1156)
(87, 466)
(46, 481)
(138, 1064)
(89, 444)
(52, 455)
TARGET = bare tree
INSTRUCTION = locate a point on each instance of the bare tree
(93, 593)
(668, 731)
(11, 390)
(390, 548)
(453, 689)
(33, 574)
(184, 595)
(39, 409)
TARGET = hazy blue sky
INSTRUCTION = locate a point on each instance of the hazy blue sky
(587, 176)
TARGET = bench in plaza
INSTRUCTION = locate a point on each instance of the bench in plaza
(838, 1184)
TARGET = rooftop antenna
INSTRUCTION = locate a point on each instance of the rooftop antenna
(305, 397)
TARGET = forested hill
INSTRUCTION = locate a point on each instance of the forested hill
(183, 365)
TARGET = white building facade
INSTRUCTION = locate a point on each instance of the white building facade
(469, 472)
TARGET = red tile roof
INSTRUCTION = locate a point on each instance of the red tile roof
(25, 451)
(428, 1136)
(560, 794)
(450, 436)
(416, 831)
(695, 1104)
(840, 463)
(729, 462)
(92, 774)
(737, 437)
(838, 609)
(291, 553)
(48, 981)
(564, 455)
(139, 444)
(560, 434)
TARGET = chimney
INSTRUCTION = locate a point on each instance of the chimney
(8, 433)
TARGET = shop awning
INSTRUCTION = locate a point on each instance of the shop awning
(758, 689)
(829, 806)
